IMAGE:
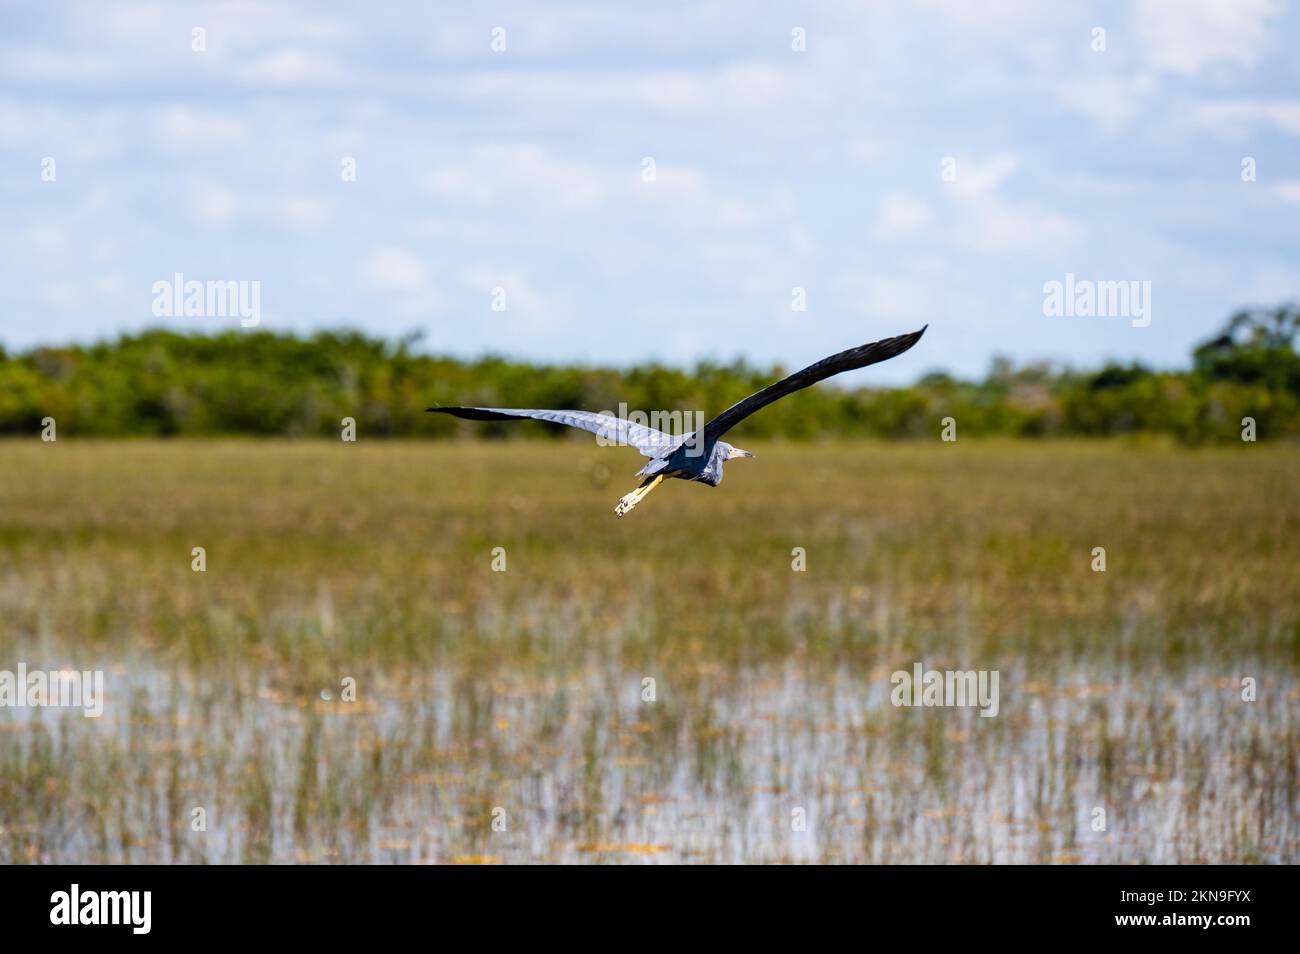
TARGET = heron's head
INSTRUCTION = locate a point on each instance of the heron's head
(736, 452)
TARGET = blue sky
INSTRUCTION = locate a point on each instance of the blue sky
(522, 169)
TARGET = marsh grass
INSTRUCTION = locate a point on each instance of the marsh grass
(521, 690)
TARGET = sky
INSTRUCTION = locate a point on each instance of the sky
(620, 182)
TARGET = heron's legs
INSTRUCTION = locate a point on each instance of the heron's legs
(630, 500)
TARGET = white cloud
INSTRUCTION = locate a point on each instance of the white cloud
(528, 175)
(306, 212)
(1289, 191)
(1269, 282)
(1111, 101)
(523, 300)
(685, 194)
(103, 251)
(901, 216)
(62, 295)
(974, 180)
(1024, 228)
(48, 238)
(738, 88)
(16, 122)
(1186, 36)
(500, 174)
(980, 22)
(290, 67)
(1239, 116)
(395, 269)
(800, 241)
(212, 203)
(57, 67)
(885, 297)
(182, 129)
(987, 221)
(236, 26)
(865, 150)
(110, 285)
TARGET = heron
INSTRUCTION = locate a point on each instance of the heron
(699, 455)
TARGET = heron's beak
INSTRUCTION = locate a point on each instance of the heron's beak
(737, 452)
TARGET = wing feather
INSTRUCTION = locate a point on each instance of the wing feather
(648, 440)
(849, 360)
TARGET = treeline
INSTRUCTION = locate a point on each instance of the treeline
(164, 383)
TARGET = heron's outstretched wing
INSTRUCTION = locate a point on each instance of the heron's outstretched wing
(858, 357)
(648, 440)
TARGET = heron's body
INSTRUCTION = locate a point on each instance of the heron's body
(682, 464)
(685, 465)
(699, 455)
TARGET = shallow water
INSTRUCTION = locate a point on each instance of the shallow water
(584, 770)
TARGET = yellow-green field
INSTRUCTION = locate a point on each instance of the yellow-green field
(518, 695)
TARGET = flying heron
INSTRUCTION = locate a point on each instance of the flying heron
(698, 455)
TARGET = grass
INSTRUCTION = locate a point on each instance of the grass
(519, 693)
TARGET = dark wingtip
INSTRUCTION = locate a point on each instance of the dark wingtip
(906, 341)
